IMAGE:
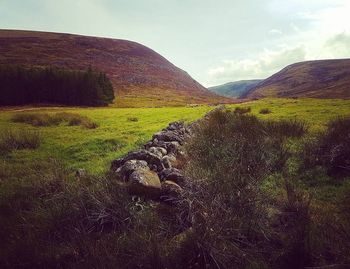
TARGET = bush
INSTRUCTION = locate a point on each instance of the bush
(265, 111)
(242, 110)
(43, 119)
(19, 139)
(331, 149)
(229, 156)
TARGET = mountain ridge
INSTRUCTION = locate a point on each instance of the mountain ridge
(310, 79)
(235, 88)
(140, 75)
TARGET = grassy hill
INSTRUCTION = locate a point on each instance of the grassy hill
(234, 89)
(140, 76)
(312, 79)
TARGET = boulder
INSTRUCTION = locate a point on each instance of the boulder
(159, 151)
(169, 160)
(152, 160)
(170, 191)
(129, 167)
(168, 136)
(172, 174)
(172, 147)
(144, 182)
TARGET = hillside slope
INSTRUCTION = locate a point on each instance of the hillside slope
(234, 89)
(314, 79)
(140, 76)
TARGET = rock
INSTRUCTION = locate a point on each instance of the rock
(172, 174)
(144, 182)
(169, 160)
(172, 147)
(129, 167)
(151, 159)
(159, 151)
(170, 191)
(116, 164)
(169, 136)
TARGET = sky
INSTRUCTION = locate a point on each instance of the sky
(215, 41)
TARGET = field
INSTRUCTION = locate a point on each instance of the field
(42, 204)
(124, 129)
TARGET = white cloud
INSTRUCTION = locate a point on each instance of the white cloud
(275, 32)
(266, 64)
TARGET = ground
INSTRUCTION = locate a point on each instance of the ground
(123, 129)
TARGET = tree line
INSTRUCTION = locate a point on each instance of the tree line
(21, 85)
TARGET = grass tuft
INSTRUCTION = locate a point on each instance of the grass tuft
(43, 119)
(242, 110)
(265, 111)
(19, 139)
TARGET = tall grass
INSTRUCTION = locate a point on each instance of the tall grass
(43, 119)
(331, 149)
(11, 139)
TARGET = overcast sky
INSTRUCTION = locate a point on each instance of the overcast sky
(215, 41)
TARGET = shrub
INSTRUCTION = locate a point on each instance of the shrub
(242, 110)
(19, 139)
(229, 156)
(331, 149)
(265, 111)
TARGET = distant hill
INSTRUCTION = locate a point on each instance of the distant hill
(140, 76)
(312, 79)
(234, 89)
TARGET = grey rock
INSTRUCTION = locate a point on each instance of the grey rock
(168, 160)
(172, 174)
(129, 167)
(144, 182)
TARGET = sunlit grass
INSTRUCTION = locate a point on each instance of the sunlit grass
(69, 143)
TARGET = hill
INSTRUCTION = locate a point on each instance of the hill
(311, 79)
(140, 76)
(234, 89)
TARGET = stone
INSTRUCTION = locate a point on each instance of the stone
(168, 136)
(151, 159)
(159, 151)
(172, 147)
(172, 174)
(170, 190)
(116, 164)
(169, 160)
(144, 182)
(130, 166)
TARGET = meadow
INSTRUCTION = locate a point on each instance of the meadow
(123, 129)
(49, 217)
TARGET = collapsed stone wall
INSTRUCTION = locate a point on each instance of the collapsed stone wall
(152, 171)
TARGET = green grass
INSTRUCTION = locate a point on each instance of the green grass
(40, 200)
(93, 149)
